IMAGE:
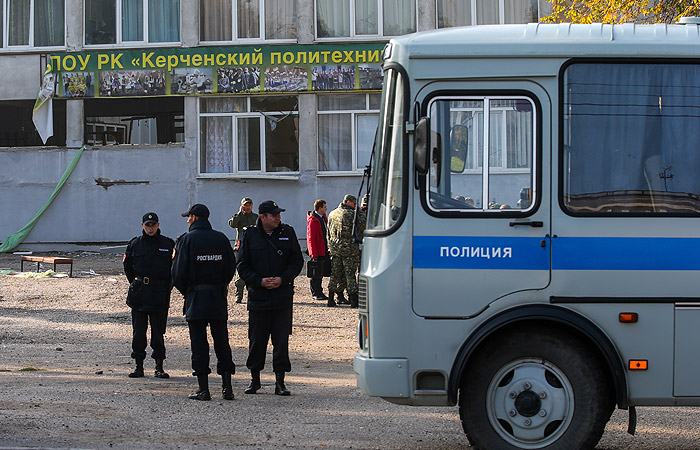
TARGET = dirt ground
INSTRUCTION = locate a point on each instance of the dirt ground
(65, 346)
(64, 359)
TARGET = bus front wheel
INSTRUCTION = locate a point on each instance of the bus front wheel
(534, 389)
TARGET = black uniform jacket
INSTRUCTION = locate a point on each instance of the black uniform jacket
(203, 267)
(147, 263)
(259, 257)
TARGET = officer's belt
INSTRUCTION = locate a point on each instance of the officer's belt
(153, 281)
(206, 287)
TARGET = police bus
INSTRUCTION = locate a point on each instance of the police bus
(532, 251)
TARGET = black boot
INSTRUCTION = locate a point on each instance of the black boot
(342, 300)
(331, 302)
(203, 391)
(226, 389)
(353, 300)
(160, 373)
(138, 372)
(254, 385)
(280, 388)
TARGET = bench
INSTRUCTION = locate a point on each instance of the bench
(46, 259)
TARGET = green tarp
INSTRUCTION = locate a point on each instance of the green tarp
(15, 239)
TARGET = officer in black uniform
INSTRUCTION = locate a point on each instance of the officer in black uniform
(147, 267)
(203, 266)
(269, 260)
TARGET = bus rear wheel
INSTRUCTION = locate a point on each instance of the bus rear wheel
(534, 389)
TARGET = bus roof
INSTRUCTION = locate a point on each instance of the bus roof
(553, 40)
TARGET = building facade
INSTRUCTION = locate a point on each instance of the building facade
(197, 101)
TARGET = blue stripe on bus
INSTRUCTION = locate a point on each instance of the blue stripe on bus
(479, 252)
(625, 253)
(568, 253)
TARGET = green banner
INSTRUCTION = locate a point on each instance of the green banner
(218, 70)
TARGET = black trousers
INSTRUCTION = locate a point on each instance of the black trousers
(263, 325)
(315, 283)
(139, 322)
(200, 346)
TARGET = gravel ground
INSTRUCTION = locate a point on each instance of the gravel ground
(65, 346)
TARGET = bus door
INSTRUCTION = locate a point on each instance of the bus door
(481, 221)
(626, 233)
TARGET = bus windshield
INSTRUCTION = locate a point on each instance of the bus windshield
(387, 177)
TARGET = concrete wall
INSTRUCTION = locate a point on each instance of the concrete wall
(88, 215)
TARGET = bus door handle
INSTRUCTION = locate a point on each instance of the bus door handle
(533, 224)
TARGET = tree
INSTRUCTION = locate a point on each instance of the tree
(621, 11)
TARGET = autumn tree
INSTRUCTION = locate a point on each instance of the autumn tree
(621, 11)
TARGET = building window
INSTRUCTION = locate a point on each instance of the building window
(142, 121)
(17, 128)
(346, 128)
(249, 135)
(32, 23)
(457, 13)
(131, 21)
(346, 18)
(232, 20)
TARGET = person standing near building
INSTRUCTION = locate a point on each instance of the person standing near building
(317, 242)
(245, 217)
(269, 260)
(147, 263)
(345, 254)
(203, 266)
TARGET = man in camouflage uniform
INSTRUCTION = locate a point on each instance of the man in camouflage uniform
(345, 254)
(245, 217)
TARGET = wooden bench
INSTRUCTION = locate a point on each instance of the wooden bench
(46, 259)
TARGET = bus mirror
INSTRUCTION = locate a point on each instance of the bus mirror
(459, 142)
(421, 138)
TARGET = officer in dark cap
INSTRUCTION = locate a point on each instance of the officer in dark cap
(203, 266)
(147, 263)
(269, 259)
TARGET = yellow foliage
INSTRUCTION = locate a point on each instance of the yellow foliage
(621, 11)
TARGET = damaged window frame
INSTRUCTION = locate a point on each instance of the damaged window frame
(230, 112)
(118, 124)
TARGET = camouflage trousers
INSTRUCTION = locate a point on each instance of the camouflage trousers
(344, 273)
(240, 285)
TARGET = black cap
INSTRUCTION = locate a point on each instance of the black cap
(269, 207)
(150, 217)
(198, 210)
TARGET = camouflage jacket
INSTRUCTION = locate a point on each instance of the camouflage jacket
(241, 221)
(340, 230)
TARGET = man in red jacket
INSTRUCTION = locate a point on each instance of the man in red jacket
(316, 232)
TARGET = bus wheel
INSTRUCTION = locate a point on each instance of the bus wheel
(534, 390)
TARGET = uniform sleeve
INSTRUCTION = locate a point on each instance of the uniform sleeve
(233, 221)
(231, 258)
(179, 269)
(129, 261)
(296, 259)
(244, 264)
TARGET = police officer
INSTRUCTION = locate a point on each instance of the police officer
(147, 263)
(345, 254)
(245, 217)
(203, 266)
(269, 260)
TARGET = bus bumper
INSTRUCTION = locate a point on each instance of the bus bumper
(386, 378)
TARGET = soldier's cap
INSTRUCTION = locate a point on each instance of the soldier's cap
(198, 210)
(349, 198)
(269, 207)
(245, 200)
(150, 217)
